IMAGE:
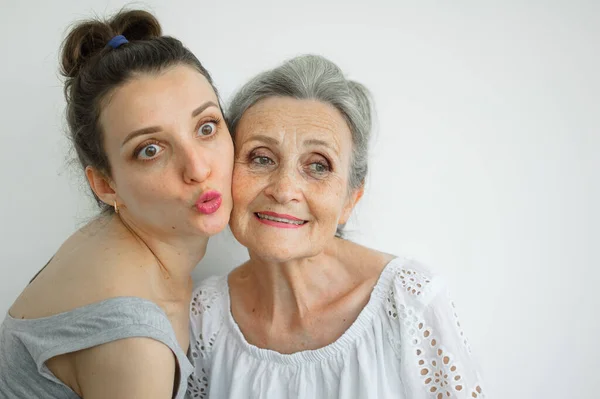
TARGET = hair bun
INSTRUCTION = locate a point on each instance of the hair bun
(136, 25)
(83, 41)
(88, 38)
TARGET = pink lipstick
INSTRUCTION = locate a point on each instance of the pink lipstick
(209, 202)
(279, 220)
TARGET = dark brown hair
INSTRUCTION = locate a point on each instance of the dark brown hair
(93, 69)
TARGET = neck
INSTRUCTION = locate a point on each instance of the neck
(289, 291)
(176, 255)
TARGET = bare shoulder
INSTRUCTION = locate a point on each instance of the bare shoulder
(126, 368)
(93, 264)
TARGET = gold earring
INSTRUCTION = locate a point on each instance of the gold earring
(116, 206)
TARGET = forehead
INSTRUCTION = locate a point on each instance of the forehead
(281, 116)
(155, 98)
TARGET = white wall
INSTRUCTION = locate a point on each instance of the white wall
(485, 163)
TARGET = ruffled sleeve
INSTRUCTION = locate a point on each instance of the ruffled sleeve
(436, 359)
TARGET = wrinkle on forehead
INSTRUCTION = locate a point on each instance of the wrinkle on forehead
(289, 120)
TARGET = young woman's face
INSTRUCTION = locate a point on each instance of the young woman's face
(170, 152)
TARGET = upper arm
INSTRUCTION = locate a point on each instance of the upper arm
(445, 350)
(437, 357)
(126, 368)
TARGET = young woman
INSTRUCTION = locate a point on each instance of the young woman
(108, 316)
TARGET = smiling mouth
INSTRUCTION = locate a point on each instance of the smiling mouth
(280, 219)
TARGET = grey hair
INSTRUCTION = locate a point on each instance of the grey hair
(312, 77)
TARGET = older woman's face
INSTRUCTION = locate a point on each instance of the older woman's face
(290, 179)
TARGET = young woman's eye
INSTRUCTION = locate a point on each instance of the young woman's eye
(207, 129)
(149, 151)
(262, 161)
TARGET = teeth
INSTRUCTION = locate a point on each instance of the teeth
(281, 220)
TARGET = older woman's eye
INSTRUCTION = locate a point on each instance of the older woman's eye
(207, 129)
(262, 161)
(318, 167)
(148, 152)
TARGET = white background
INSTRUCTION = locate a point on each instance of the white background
(485, 164)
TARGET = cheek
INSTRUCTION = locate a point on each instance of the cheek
(139, 187)
(145, 191)
(330, 210)
(225, 157)
(328, 196)
(243, 187)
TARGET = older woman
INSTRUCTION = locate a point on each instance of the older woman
(313, 315)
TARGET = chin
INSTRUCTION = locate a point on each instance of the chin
(213, 224)
(275, 256)
(283, 252)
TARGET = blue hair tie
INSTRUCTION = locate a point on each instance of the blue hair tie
(117, 41)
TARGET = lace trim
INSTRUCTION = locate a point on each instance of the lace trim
(202, 347)
(413, 282)
(197, 386)
(477, 392)
(203, 299)
(465, 341)
(439, 372)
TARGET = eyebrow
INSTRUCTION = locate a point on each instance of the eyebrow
(306, 143)
(201, 108)
(154, 129)
(319, 142)
(265, 139)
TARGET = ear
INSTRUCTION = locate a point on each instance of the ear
(351, 203)
(101, 185)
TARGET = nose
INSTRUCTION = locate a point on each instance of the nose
(284, 187)
(195, 165)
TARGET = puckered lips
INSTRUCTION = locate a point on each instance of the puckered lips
(209, 202)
